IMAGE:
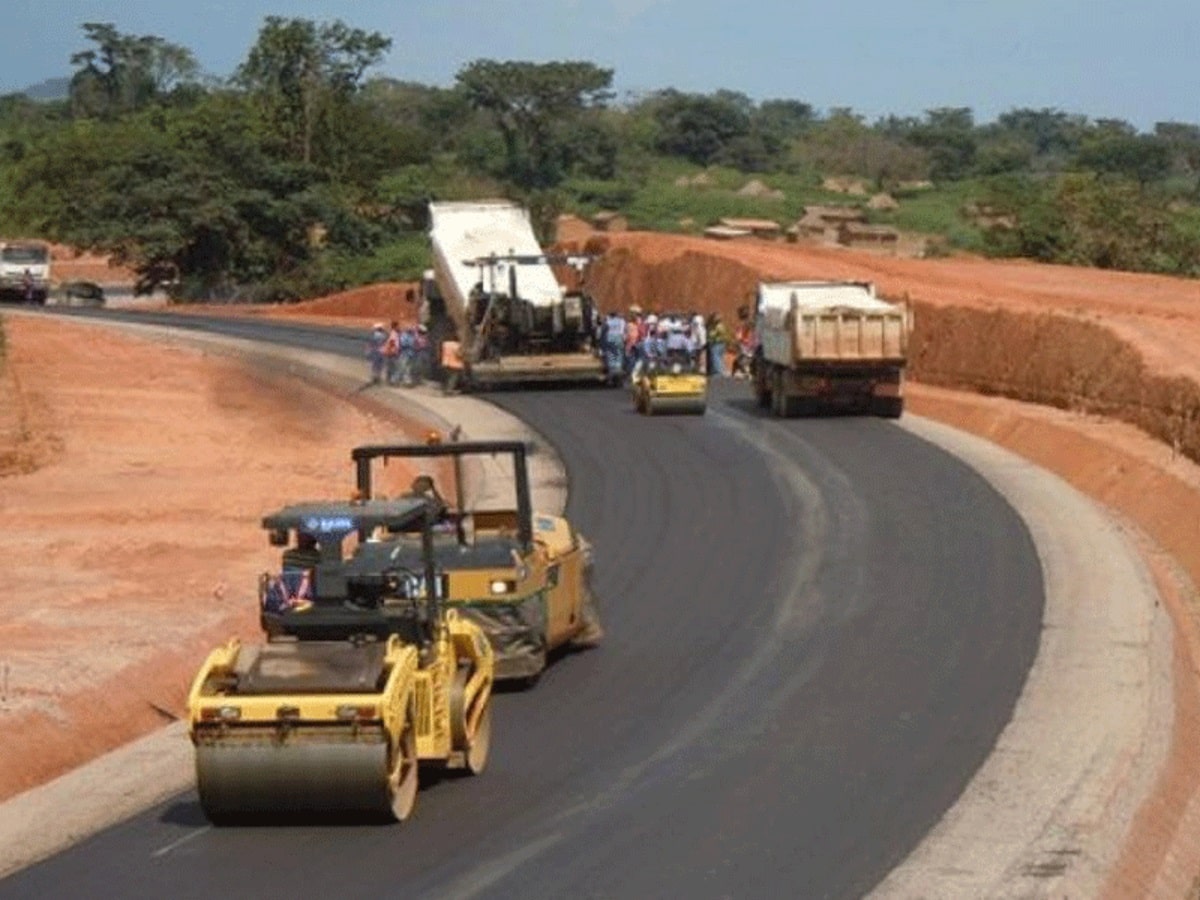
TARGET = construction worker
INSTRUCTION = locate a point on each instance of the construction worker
(375, 344)
(677, 346)
(408, 355)
(391, 353)
(614, 346)
(745, 338)
(718, 337)
(633, 336)
(699, 334)
(420, 363)
(651, 347)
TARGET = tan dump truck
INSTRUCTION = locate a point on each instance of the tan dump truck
(829, 345)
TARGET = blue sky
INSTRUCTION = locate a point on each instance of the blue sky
(1101, 58)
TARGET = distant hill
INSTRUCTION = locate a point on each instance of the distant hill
(50, 89)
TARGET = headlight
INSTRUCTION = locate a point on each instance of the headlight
(499, 587)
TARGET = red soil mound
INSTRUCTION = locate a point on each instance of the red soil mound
(386, 301)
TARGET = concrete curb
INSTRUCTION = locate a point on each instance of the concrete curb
(51, 817)
(1047, 812)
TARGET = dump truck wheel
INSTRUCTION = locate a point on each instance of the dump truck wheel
(778, 398)
(402, 780)
(481, 742)
(888, 407)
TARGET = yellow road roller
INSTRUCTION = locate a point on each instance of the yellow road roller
(524, 578)
(365, 675)
(671, 385)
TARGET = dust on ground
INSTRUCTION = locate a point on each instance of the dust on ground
(132, 481)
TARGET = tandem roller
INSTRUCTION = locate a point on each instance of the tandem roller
(674, 390)
(365, 677)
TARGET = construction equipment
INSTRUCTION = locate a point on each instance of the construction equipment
(829, 345)
(365, 675)
(670, 385)
(522, 577)
(494, 308)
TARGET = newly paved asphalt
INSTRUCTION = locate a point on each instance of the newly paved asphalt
(816, 630)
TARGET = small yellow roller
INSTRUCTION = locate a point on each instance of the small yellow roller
(670, 388)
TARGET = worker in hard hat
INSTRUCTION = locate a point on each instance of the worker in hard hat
(613, 345)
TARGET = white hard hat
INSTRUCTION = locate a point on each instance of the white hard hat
(652, 319)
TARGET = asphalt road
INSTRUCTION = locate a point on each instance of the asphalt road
(816, 630)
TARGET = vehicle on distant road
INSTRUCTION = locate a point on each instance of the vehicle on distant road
(25, 271)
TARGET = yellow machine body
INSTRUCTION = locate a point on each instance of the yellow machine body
(662, 391)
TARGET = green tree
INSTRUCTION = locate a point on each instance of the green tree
(188, 197)
(700, 127)
(948, 136)
(1145, 158)
(1051, 132)
(302, 75)
(844, 144)
(535, 107)
(1029, 221)
(125, 72)
(1110, 223)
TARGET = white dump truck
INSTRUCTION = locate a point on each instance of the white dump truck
(495, 310)
(25, 271)
(829, 345)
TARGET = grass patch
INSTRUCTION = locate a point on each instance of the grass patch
(938, 211)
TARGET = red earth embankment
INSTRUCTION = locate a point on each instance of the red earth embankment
(131, 485)
(1121, 345)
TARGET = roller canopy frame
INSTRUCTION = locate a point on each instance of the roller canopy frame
(518, 450)
(331, 523)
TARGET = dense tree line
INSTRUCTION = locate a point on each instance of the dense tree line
(298, 172)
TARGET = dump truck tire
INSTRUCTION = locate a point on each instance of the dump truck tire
(888, 407)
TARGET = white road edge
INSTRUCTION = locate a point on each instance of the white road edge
(1044, 815)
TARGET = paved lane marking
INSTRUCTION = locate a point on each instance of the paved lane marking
(163, 851)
